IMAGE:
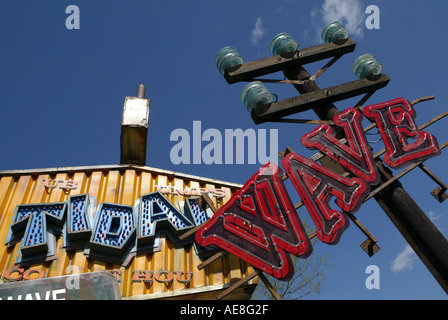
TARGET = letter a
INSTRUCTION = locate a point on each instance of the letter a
(316, 185)
(72, 21)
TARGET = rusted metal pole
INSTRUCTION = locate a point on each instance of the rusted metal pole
(414, 225)
(141, 91)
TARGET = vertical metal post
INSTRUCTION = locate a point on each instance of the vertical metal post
(414, 225)
(141, 91)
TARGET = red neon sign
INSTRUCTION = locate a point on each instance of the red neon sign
(259, 223)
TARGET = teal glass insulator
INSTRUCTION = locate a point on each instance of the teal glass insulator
(333, 32)
(227, 57)
(255, 93)
(366, 65)
(283, 43)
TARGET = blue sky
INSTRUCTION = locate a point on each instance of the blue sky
(62, 94)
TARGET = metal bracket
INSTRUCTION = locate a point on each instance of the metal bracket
(238, 284)
(370, 247)
(203, 201)
(438, 193)
(246, 279)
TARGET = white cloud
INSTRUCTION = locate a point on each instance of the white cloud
(349, 12)
(433, 216)
(258, 31)
(404, 260)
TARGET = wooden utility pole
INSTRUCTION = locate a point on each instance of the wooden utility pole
(414, 225)
(418, 230)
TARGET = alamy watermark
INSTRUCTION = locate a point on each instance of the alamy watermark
(234, 146)
(73, 20)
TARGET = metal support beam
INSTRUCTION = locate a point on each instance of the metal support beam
(246, 279)
(258, 68)
(203, 201)
(317, 98)
(238, 284)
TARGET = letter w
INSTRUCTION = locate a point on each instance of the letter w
(258, 224)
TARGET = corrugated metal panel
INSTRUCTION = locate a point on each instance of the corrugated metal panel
(121, 185)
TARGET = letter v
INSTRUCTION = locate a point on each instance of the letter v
(357, 157)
